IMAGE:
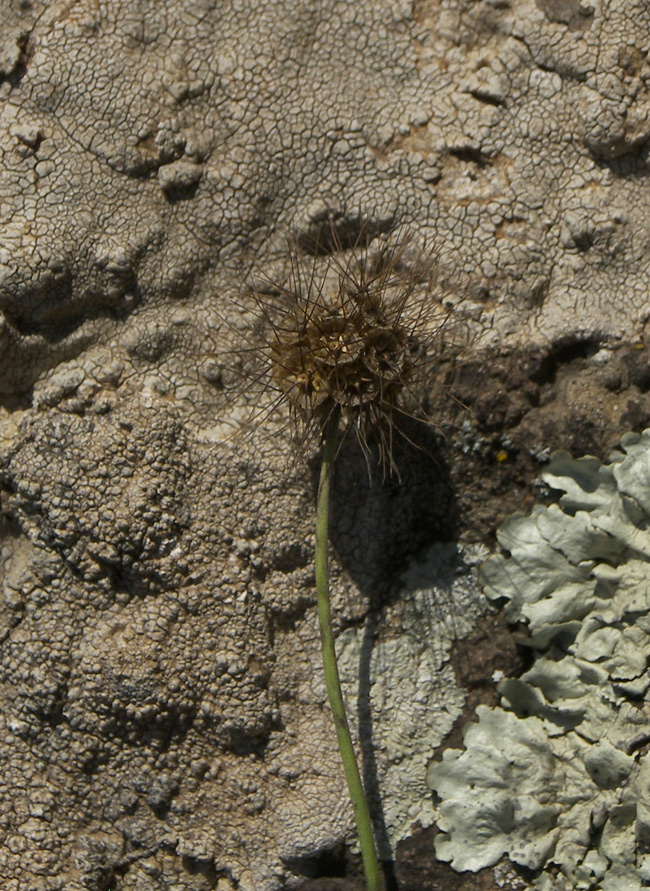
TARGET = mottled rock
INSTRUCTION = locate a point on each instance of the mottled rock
(157, 614)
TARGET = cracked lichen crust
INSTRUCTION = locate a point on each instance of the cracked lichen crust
(145, 151)
(560, 779)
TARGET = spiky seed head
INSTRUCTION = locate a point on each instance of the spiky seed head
(347, 353)
(349, 349)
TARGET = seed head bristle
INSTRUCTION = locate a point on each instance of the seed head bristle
(348, 343)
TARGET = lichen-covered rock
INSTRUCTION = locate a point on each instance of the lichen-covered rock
(162, 718)
(560, 779)
(410, 678)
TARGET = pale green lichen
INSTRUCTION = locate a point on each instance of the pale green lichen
(558, 779)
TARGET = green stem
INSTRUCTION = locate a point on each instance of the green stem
(332, 680)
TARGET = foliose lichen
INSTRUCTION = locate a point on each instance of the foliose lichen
(558, 777)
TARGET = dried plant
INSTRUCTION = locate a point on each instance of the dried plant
(350, 342)
(343, 351)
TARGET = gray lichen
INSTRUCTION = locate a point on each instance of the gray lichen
(559, 776)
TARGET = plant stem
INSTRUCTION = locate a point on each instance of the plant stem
(332, 680)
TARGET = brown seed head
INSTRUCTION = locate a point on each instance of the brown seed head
(349, 343)
(347, 352)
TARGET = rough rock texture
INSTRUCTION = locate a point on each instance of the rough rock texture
(162, 721)
(409, 678)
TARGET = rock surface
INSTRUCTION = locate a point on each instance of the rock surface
(163, 720)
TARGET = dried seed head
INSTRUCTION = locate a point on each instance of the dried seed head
(349, 343)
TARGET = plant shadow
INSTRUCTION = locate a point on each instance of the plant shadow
(379, 524)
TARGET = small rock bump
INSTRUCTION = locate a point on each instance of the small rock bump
(180, 176)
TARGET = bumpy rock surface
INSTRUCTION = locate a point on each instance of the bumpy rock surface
(163, 721)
